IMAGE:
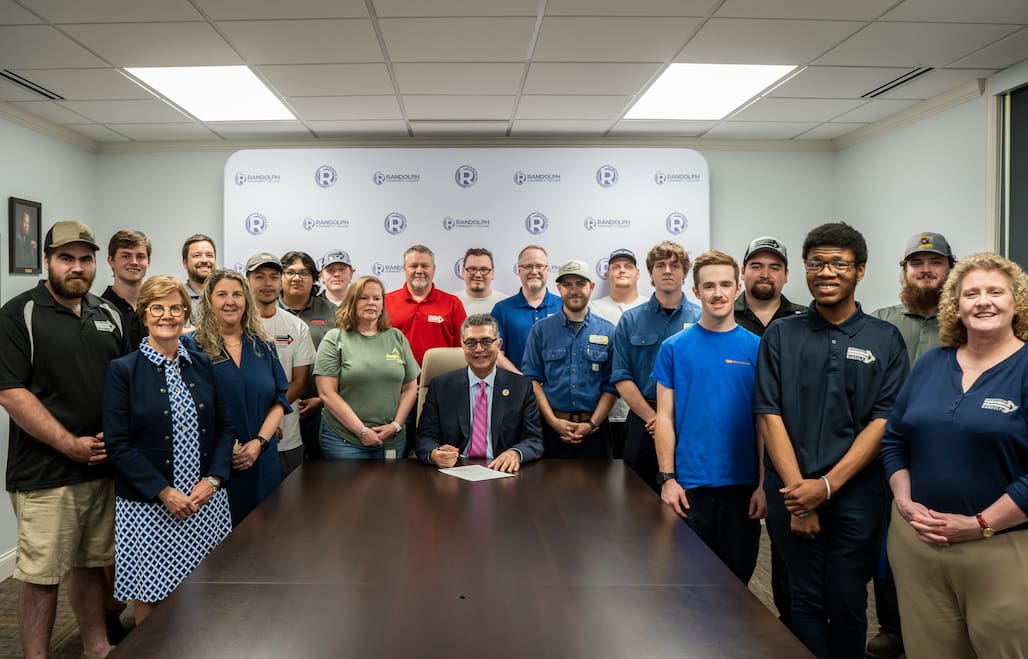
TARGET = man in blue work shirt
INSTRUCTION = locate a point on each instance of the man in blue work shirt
(517, 314)
(825, 384)
(637, 339)
(568, 358)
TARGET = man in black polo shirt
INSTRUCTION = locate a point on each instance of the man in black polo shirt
(56, 342)
(826, 381)
(128, 254)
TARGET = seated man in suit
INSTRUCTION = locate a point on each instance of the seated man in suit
(496, 415)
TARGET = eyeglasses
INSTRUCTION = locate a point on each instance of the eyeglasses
(157, 310)
(533, 266)
(471, 344)
(838, 267)
(302, 274)
(478, 271)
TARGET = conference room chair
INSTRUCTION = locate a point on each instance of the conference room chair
(436, 362)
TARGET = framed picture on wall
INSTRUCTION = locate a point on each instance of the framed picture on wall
(24, 227)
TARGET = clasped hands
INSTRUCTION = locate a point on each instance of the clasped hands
(572, 432)
(802, 500)
(182, 505)
(935, 528)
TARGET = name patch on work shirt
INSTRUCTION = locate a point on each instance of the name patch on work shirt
(999, 405)
(433, 318)
(860, 355)
(103, 325)
(599, 339)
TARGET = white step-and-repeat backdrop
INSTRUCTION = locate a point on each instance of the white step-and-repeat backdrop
(376, 202)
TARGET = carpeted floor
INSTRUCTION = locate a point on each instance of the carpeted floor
(67, 644)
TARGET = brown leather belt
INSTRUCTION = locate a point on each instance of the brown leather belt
(574, 417)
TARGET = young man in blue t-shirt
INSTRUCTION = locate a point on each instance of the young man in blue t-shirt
(706, 445)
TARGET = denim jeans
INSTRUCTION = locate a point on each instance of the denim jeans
(335, 447)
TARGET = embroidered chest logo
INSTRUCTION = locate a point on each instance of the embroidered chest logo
(999, 405)
(394, 356)
(860, 355)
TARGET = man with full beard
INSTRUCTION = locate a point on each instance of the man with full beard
(926, 263)
(765, 271)
(56, 342)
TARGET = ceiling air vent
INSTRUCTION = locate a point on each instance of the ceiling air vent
(893, 84)
(29, 85)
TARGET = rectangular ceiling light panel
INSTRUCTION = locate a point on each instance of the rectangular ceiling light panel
(215, 93)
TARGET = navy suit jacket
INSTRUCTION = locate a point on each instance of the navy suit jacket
(137, 424)
(513, 419)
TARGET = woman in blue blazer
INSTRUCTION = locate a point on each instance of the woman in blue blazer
(169, 438)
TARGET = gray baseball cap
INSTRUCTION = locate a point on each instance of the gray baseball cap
(262, 259)
(577, 268)
(334, 256)
(766, 244)
(927, 241)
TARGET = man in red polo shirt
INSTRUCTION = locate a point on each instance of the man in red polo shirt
(427, 316)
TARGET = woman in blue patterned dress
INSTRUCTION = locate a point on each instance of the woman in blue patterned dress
(169, 439)
(247, 367)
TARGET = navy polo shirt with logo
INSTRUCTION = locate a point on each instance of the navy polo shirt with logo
(66, 371)
(828, 382)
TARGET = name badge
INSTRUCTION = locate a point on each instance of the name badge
(599, 339)
(432, 318)
(103, 325)
(686, 325)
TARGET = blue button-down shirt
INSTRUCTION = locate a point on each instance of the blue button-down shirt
(638, 337)
(516, 317)
(573, 367)
(828, 381)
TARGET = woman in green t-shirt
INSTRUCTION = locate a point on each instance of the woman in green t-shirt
(367, 378)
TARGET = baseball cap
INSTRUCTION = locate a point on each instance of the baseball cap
(927, 241)
(622, 254)
(335, 256)
(69, 231)
(264, 258)
(766, 244)
(575, 267)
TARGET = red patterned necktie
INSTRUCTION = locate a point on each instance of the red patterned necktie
(480, 424)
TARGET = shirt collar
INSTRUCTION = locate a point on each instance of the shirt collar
(850, 326)
(157, 358)
(473, 379)
(654, 304)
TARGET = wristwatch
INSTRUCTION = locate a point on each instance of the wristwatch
(215, 482)
(665, 476)
(264, 443)
(397, 426)
(987, 531)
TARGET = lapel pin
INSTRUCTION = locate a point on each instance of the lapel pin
(505, 392)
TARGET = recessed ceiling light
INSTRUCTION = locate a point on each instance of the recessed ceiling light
(704, 91)
(215, 93)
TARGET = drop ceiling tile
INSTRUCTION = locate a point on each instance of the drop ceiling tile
(113, 11)
(835, 10)
(744, 41)
(155, 44)
(635, 8)
(604, 39)
(582, 78)
(42, 47)
(913, 44)
(759, 130)
(127, 112)
(344, 108)
(98, 133)
(572, 107)
(86, 84)
(457, 39)
(304, 41)
(528, 127)
(222, 10)
(835, 82)
(1000, 55)
(796, 109)
(163, 132)
(259, 130)
(874, 110)
(327, 79)
(459, 107)
(662, 127)
(935, 83)
(829, 131)
(12, 14)
(960, 11)
(459, 128)
(51, 111)
(396, 8)
(12, 92)
(458, 78)
(330, 129)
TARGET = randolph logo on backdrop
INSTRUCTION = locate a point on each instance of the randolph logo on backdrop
(311, 223)
(676, 223)
(601, 268)
(660, 178)
(379, 268)
(255, 224)
(325, 176)
(458, 268)
(451, 223)
(536, 223)
(381, 178)
(606, 176)
(465, 176)
(607, 223)
(243, 178)
(395, 223)
(521, 178)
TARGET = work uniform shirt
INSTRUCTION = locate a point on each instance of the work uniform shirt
(637, 340)
(134, 327)
(320, 316)
(434, 322)
(919, 333)
(749, 320)
(65, 367)
(516, 317)
(572, 365)
(828, 382)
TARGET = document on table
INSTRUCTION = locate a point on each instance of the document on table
(475, 473)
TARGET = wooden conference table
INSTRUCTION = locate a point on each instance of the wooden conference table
(394, 559)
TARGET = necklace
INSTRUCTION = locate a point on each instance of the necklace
(233, 345)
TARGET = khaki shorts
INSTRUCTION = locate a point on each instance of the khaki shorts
(60, 528)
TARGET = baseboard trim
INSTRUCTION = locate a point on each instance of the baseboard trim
(7, 563)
